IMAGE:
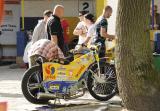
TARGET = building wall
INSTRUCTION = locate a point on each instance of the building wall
(157, 2)
(35, 8)
(112, 19)
(9, 27)
(100, 4)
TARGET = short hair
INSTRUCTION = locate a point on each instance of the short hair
(156, 7)
(58, 6)
(108, 8)
(90, 17)
(47, 13)
(83, 12)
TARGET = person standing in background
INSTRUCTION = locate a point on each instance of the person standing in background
(91, 34)
(81, 29)
(65, 26)
(101, 30)
(39, 31)
(54, 27)
(156, 18)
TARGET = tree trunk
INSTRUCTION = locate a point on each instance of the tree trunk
(139, 83)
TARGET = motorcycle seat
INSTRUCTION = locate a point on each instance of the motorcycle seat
(64, 61)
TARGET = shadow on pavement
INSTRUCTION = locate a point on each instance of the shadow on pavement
(11, 95)
(72, 107)
(83, 106)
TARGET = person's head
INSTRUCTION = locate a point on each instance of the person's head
(107, 11)
(47, 14)
(81, 15)
(58, 11)
(155, 8)
(89, 19)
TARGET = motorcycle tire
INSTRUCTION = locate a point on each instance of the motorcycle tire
(107, 94)
(31, 77)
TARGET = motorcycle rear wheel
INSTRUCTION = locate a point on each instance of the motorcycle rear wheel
(31, 85)
(103, 91)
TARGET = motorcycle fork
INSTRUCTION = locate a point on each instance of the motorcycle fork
(96, 56)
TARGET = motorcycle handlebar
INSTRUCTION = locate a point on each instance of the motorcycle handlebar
(95, 45)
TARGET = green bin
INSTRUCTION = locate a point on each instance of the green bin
(156, 60)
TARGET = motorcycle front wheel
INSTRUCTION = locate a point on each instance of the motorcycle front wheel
(102, 91)
(31, 85)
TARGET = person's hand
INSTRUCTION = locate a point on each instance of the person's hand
(111, 37)
(155, 26)
(84, 45)
(80, 32)
(84, 31)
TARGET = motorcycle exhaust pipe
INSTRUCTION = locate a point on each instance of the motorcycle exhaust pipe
(46, 96)
(49, 96)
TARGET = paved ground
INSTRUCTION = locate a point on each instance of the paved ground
(10, 91)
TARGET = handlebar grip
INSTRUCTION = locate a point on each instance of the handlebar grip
(83, 45)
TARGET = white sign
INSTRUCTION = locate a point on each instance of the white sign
(10, 24)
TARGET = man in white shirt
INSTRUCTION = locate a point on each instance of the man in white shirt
(39, 31)
(81, 29)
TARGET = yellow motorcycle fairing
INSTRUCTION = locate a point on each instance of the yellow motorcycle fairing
(71, 72)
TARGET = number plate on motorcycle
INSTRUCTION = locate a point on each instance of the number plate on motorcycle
(54, 86)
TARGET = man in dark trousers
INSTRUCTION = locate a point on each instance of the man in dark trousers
(54, 28)
(101, 29)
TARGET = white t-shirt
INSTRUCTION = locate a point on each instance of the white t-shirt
(82, 38)
(91, 33)
(25, 56)
(39, 31)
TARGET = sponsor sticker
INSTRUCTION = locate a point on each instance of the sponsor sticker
(64, 89)
(80, 70)
(61, 73)
(84, 60)
(54, 86)
(61, 68)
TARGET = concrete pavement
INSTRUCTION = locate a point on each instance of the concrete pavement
(10, 91)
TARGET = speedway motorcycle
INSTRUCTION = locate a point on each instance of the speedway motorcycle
(70, 77)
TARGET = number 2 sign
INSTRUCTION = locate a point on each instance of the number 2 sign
(86, 5)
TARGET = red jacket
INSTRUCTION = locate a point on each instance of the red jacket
(65, 26)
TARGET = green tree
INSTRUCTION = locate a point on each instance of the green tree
(139, 83)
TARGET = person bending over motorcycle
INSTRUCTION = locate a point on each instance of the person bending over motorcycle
(45, 48)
